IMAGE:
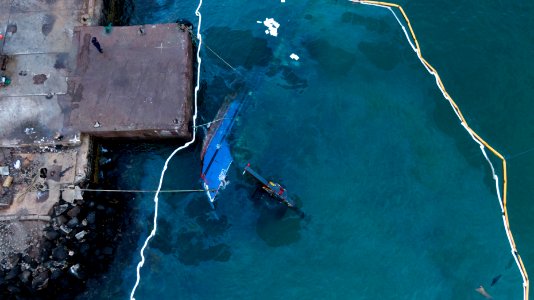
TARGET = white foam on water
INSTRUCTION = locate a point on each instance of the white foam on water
(272, 26)
(294, 56)
(156, 197)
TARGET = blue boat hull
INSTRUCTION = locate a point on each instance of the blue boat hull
(216, 156)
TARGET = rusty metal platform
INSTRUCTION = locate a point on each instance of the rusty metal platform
(139, 87)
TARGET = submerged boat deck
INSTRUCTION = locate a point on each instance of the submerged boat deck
(216, 157)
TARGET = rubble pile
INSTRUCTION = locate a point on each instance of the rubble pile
(77, 243)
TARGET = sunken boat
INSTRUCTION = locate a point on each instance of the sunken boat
(215, 156)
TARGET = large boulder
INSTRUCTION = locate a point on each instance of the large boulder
(51, 235)
(73, 222)
(73, 212)
(25, 276)
(59, 253)
(40, 280)
(14, 272)
(56, 273)
(60, 220)
(60, 209)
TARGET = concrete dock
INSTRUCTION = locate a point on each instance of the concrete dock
(140, 86)
(64, 92)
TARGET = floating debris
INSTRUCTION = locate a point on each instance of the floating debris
(272, 26)
(294, 56)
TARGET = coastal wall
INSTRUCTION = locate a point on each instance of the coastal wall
(64, 93)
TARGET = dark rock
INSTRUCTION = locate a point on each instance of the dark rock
(33, 251)
(27, 259)
(60, 220)
(100, 207)
(51, 235)
(61, 209)
(65, 229)
(80, 235)
(13, 289)
(14, 272)
(46, 249)
(48, 245)
(33, 264)
(91, 217)
(73, 212)
(40, 281)
(56, 273)
(59, 253)
(14, 259)
(73, 222)
(25, 276)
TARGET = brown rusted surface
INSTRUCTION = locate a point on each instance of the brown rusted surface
(139, 87)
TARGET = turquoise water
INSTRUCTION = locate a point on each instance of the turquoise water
(399, 200)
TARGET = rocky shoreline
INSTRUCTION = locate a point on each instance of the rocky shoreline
(78, 244)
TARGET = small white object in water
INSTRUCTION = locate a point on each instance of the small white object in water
(283, 1)
(272, 26)
(17, 164)
(294, 56)
(259, 22)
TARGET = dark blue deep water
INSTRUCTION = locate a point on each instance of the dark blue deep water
(400, 202)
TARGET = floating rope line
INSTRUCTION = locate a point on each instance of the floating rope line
(222, 59)
(156, 199)
(130, 191)
(520, 154)
(481, 142)
(146, 191)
